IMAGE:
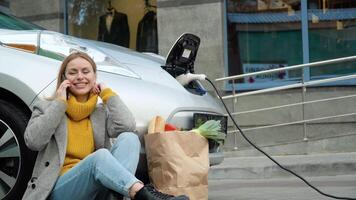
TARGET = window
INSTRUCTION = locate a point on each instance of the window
(266, 34)
(14, 23)
(127, 23)
(332, 30)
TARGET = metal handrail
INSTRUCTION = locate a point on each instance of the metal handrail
(303, 84)
(295, 122)
(292, 86)
(313, 64)
(292, 104)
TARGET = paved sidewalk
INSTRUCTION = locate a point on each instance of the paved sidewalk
(282, 188)
(329, 164)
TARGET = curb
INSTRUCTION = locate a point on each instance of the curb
(330, 164)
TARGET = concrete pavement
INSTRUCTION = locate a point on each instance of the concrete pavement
(282, 188)
(330, 164)
(258, 178)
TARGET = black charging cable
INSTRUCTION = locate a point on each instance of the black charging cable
(268, 156)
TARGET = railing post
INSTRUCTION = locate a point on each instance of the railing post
(305, 70)
(234, 102)
(305, 133)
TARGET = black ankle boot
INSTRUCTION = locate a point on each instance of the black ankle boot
(148, 192)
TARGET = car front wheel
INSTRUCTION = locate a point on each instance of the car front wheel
(16, 160)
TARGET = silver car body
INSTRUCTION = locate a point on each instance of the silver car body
(138, 78)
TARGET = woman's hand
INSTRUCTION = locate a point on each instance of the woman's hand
(98, 87)
(62, 90)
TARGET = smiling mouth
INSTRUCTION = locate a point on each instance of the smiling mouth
(80, 85)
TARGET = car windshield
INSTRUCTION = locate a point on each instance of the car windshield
(14, 23)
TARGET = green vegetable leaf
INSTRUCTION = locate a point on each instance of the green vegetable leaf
(211, 129)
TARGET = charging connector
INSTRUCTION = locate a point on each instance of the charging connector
(268, 156)
(185, 79)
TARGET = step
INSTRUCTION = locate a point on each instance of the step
(338, 143)
(259, 167)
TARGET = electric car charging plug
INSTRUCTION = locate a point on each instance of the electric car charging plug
(185, 79)
(264, 153)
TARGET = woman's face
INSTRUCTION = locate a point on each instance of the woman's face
(82, 77)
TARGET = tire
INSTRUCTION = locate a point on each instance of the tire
(16, 160)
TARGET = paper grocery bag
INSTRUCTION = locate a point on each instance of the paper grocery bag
(178, 163)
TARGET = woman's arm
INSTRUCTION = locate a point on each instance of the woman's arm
(45, 118)
(119, 117)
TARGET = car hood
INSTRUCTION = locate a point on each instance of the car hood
(146, 66)
(126, 62)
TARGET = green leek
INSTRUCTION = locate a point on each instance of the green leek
(211, 129)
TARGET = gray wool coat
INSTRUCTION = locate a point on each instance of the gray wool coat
(46, 133)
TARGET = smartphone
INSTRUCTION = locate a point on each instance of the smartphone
(64, 78)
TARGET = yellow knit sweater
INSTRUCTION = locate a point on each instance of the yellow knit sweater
(80, 138)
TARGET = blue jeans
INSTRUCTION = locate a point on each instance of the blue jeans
(101, 170)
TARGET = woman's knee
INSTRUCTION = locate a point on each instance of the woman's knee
(101, 156)
(129, 137)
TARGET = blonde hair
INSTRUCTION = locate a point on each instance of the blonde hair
(62, 69)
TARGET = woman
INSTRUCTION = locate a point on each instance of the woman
(71, 134)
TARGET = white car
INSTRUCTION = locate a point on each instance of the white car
(29, 62)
